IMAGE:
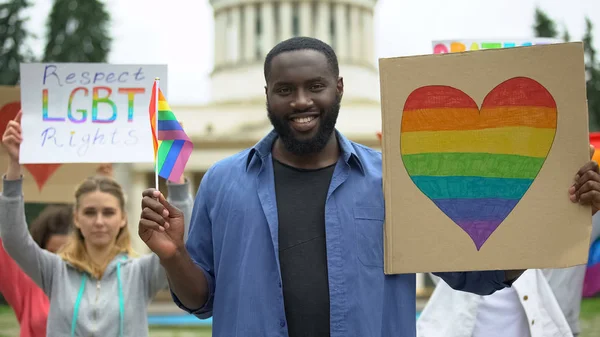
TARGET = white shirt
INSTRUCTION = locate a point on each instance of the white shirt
(451, 313)
(501, 315)
(567, 284)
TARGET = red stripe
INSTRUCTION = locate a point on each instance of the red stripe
(152, 114)
(438, 96)
(519, 91)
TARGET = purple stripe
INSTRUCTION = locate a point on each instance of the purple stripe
(182, 159)
(591, 282)
(479, 218)
(172, 135)
(476, 209)
(479, 231)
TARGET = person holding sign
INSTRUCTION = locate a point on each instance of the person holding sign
(286, 238)
(95, 285)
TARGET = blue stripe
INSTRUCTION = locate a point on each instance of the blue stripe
(121, 300)
(169, 125)
(167, 167)
(471, 187)
(594, 256)
(77, 304)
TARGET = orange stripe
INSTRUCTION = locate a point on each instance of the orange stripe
(469, 119)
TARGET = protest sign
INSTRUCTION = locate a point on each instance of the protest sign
(87, 112)
(454, 46)
(52, 183)
(479, 151)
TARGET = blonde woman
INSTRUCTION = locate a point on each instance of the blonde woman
(96, 286)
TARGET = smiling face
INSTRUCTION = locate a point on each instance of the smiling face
(99, 217)
(303, 100)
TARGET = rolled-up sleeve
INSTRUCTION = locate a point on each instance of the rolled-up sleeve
(200, 247)
(206, 310)
(476, 282)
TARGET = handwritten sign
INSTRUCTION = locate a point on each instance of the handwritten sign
(455, 46)
(87, 112)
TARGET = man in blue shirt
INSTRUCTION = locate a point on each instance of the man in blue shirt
(286, 238)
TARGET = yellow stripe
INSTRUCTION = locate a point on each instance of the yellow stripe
(163, 106)
(523, 141)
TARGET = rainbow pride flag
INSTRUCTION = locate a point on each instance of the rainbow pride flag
(172, 146)
(591, 282)
(476, 164)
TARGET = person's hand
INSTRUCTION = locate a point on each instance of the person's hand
(12, 138)
(586, 188)
(161, 225)
(105, 170)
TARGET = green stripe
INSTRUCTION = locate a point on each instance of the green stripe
(472, 164)
(472, 187)
(163, 151)
(166, 115)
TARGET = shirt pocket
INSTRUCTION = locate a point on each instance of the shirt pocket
(369, 235)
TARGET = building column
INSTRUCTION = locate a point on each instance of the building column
(341, 32)
(355, 34)
(285, 20)
(249, 53)
(268, 27)
(322, 24)
(220, 37)
(305, 14)
(234, 36)
(216, 36)
(368, 45)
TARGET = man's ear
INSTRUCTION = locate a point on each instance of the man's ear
(340, 86)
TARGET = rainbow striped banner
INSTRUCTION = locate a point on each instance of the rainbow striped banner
(172, 146)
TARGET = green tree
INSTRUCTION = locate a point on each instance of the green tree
(544, 26)
(566, 37)
(592, 69)
(78, 32)
(13, 34)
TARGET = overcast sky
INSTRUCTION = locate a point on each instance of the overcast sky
(180, 34)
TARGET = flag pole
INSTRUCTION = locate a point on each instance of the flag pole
(156, 133)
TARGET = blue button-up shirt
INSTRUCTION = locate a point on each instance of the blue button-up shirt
(233, 238)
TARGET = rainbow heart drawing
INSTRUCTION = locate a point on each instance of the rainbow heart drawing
(476, 164)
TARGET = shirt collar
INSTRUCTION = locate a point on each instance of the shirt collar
(263, 148)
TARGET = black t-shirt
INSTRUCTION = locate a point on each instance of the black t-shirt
(301, 196)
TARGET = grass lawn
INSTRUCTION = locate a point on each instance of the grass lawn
(590, 317)
(590, 323)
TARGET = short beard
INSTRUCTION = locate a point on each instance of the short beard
(315, 144)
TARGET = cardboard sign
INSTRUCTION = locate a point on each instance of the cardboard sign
(455, 46)
(41, 182)
(479, 151)
(87, 112)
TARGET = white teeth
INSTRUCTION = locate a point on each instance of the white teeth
(303, 120)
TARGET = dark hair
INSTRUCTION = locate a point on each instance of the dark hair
(303, 43)
(54, 219)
